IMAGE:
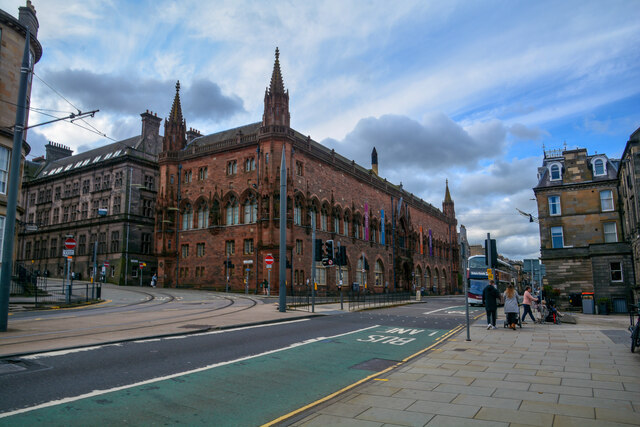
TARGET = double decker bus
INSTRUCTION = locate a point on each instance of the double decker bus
(479, 279)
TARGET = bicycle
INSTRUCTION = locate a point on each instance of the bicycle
(634, 329)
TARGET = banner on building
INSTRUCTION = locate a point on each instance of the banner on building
(366, 221)
(382, 234)
(430, 243)
(421, 246)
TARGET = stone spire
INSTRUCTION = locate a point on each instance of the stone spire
(175, 127)
(277, 85)
(374, 161)
(276, 101)
(447, 205)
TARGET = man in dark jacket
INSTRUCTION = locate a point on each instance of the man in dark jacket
(490, 297)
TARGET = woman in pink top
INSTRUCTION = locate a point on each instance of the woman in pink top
(526, 303)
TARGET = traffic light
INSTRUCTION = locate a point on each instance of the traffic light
(318, 250)
(328, 255)
(227, 264)
(490, 248)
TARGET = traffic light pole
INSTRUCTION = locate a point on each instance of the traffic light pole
(339, 264)
(313, 261)
(282, 262)
(12, 194)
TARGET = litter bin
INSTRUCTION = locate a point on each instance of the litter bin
(588, 303)
(418, 295)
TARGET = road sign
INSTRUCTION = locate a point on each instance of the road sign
(68, 252)
(142, 265)
(268, 260)
(489, 274)
(70, 243)
(106, 263)
(247, 261)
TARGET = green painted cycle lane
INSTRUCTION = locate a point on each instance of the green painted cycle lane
(249, 391)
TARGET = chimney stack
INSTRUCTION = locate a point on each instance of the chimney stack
(27, 17)
(55, 151)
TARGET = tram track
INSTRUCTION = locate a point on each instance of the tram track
(156, 320)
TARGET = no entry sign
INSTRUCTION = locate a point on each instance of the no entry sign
(268, 259)
(70, 243)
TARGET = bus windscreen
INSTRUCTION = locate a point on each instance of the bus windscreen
(477, 286)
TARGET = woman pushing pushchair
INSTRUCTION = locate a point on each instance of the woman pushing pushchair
(511, 309)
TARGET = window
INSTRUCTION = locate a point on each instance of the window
(616, 271)
(250, 210)
(379, 272)
(32, 198)
(321, 275)
(56, 215)
(299, 169)
(266, 158)
(149, 182)
(298, 247)
(187, 217)
(232, 167)
(230, 247)
(115, 241)
(94, 208)
(85, 210)
(67, 191)
(250, 164)
(86, 185)
(185, 251)
(187, 177)
(232, 212)
(336, 225)
(556, 237)
(345, 225)
(4, 169)
(203, 216)
(82, 244)
(52, 249)
(74, 212)
(147, 208)
(356, 230)
(361, 276)
(606, 200)
(323, 220)
(554, 205)
(65, 214)
(555, 172)
(610, 232)
(102, 243)
(203, 173)
(297, 213)
(96, 184)
(116, 204)
(199, 249)
(145, 246)
(117, 181)
(598, 167)
(27, 250)
(248, 246)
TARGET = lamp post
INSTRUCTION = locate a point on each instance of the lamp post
(178, 228)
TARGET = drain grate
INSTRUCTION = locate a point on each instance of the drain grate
(459, 349)
(374, 365)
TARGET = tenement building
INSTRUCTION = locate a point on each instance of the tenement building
(580, 226)
(217, 217)
(628, 185)
(13, 34)
(104, 199)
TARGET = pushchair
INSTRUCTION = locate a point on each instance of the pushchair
(552, 314)
(519, 322)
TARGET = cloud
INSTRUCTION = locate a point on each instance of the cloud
(127, 95)
(437, 143)
(525, 133)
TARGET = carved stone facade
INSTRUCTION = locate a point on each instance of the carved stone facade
(581, 236)
(219, 199)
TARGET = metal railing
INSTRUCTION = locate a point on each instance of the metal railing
(301, 298)
(361, 301)
(28, 288)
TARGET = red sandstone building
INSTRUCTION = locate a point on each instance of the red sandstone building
(218, 200)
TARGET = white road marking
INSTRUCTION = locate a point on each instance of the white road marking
(433, 333)
(167, 377)
(440, 309)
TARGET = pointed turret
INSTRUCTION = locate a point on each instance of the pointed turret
(448, 205)
(175, 127)
(374, 161)
(276, 100)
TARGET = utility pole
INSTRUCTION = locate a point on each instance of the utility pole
(282, 287)
(393, 244)
(313, 261)
(178, 227)
(12, 196)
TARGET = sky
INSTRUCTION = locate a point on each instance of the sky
(466, 91)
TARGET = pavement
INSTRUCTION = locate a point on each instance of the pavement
(581, 374)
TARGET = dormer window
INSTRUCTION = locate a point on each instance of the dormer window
(599, 166)
(556, 172)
